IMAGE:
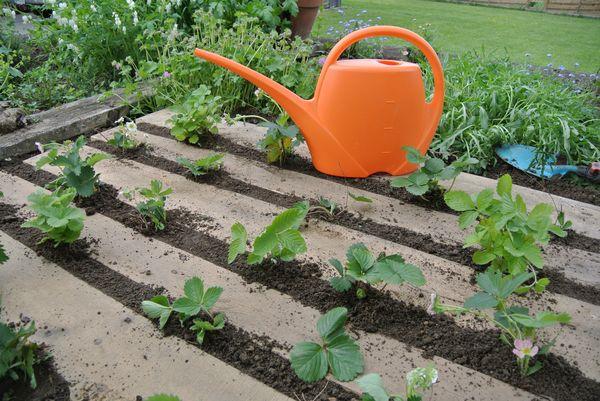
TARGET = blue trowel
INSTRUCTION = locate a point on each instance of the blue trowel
(527, 159)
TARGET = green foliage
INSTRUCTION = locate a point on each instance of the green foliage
(17, 353)
(3, 256)
(153, 208)
(363, 266)
(280, 139)
(360, 198)
(123, 136)
(279, 240)
(163, 397)
(507, 234)
(198, 115)
(426, 178)
(76, 172)
(270, 12)
(55, 216)
(196, 301)
(418, 381)
(202, 166)
(337, 351)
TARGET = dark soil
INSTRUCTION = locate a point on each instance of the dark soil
(423, 242)
(433, 201)
(245, 351)
(435, 335)
(51, 386)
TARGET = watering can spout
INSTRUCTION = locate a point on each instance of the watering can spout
(300, 110)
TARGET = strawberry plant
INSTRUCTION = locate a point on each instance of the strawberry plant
(506, 234)
(426, 178)
(280, 240)
(123, 136)
(363, 266)
(418, 381)
(196, 300)
(153, 208)
(202, 166)
(17, 353)
(280, 140)
(76, 172)
(517, 326)
(56, 216)
(336, 352)
(197, 116)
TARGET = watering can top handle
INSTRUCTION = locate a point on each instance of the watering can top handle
(410, 36)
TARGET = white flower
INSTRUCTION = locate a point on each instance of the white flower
(148, 2)
(120, 120)
(117, 19)
(124, 29)
(39, 147)
(13, 14)
(62, 5)
(135, 18)
(60, 41)
(93, 8)
(131, 4)
(25, 19)
(73, 25)
(131, 126)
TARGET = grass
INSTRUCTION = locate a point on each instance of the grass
(459, 28)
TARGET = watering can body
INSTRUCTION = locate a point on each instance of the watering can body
(364, 111)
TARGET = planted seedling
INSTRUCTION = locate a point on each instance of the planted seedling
(197, 116)
(363, 266)
(426, 178)
(324, 206)
(336, 353)
(506, 234)
(76, 172)
(123, 136)
(56, 216)
(17, 353)
(418, 381)
(153, 208)
(202, 166)
(196, 300)
(281, 240)
(517, 326)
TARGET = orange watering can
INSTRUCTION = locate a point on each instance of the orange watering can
(363, 111)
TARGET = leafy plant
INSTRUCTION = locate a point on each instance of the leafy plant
(76, 172)
(280, 140)
(123, 136)
(270, 12)
(363, 266)
(324, 205)
(196, 300)
(202, 166)
(418, 381)
(17, 353)
(198, 115)
(507, 234)
(515, 322)
(153, 208)
(55, 215)
(279, 240)
(337, 352)
(426, 178)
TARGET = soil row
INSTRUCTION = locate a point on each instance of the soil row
(558, 282)
(245, 351)
(439, 335)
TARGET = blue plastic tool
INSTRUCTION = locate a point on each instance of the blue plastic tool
(527, 159)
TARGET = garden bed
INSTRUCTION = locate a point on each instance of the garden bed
(120, 262)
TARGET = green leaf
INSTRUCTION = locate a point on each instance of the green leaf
(413, 155)
(363, 257)
(95, 158)
(467, 218)
(239, 236)
(417, 190)
(163, 397)
(459, 201)
(3, 257)
(481, 300)
(484, 199)
(158, 307)
(292, 240)
(434, 165)
(341, 284)
(264, 243)
(533, 255)
(372, 384)
(400, 182)
(504, 185)
(309, 361)
(510, 285)
(194, 289)
(186, 306)
(211, 296)
(344, 358)
(532, 369)
(395, 272)
(483, 257)
(338, 266)
(289, 219)
(360, 198)
(331, 322)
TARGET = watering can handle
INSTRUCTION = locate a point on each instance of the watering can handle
(437, 103)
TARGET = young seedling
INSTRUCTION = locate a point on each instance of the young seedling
(123, 136)
(17, 353)
(153, 208)
(324, 206)
(280, 240)
(426, 178)
(506, 234)
(363, 266)
(76, 172)
(518, 328)
(418, 381)
(197, 116)
(55, 216)
(202, 166)
(337, 352)
(196, 300)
